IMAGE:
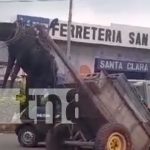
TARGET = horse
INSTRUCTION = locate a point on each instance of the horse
(26, 51)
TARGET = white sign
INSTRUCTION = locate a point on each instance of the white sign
(116, 35)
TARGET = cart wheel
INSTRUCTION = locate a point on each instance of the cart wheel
(27, 137)
(56, 137)
(113, 137)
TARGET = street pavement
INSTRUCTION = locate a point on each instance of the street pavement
(9, 142)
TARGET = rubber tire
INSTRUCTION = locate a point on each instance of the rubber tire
(24, 129)
(56, 137)
(104, 133)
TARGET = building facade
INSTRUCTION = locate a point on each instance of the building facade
(115, 48)
(134, 62)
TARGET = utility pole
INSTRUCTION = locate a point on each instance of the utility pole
(69, 30)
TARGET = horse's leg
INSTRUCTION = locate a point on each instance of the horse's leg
(55, 70)
(11, 61)
(14, 74)
(34, 83)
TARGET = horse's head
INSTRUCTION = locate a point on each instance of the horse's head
(7, 30)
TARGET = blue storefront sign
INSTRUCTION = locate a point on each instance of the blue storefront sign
(30, 20)
(118, 66)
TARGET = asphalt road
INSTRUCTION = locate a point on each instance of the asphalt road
(9, 142)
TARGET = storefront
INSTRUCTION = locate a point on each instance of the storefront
(115, 48)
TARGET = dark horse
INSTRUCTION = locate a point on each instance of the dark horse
(26, 51)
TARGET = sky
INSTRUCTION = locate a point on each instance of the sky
(101, 12)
